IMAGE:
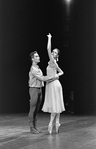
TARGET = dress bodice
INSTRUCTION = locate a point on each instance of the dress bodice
(52, 69)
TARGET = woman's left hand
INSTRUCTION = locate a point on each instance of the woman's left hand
(49, 35)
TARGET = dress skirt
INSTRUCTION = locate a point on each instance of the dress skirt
(53, 98)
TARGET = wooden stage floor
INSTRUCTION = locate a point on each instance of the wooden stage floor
(76, 132)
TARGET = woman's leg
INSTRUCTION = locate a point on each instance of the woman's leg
(57, 122)
(52, 117)
(58, 118)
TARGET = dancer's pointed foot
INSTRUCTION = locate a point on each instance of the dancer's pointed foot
(50, 127)
(57, 127)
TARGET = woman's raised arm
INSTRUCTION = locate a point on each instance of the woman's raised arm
(49, 47)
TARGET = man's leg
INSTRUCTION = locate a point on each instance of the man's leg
(33, 102)
(37, 107)
(38, 104)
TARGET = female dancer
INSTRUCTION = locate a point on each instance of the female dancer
(53, 93)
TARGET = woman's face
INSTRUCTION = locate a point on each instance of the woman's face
(55, 53)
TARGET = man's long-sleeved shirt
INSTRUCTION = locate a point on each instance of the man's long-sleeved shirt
(35, 77)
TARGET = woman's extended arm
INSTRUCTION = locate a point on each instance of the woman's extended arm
(49, 47)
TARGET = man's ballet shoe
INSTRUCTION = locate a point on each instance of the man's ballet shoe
(33, 130)
(40, 131)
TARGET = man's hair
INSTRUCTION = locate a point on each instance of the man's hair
(32, 54)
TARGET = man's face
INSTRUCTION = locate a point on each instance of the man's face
(36, 58)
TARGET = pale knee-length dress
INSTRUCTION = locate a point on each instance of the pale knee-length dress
(53, 102)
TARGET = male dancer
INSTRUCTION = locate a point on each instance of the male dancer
(36, 83)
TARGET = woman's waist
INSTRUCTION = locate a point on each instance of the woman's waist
(56, 81)
(51, 74)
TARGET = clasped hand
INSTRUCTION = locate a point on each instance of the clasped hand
(50, 79)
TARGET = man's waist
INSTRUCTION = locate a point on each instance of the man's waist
(36, 83)
(36, 86)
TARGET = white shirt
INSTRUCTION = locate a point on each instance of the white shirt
(35, 76)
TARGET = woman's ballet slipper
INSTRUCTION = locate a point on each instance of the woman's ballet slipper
(57, 127)
(50, 127)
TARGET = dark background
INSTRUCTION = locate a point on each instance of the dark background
(24, 25)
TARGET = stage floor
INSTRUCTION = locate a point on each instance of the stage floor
(76, 132)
